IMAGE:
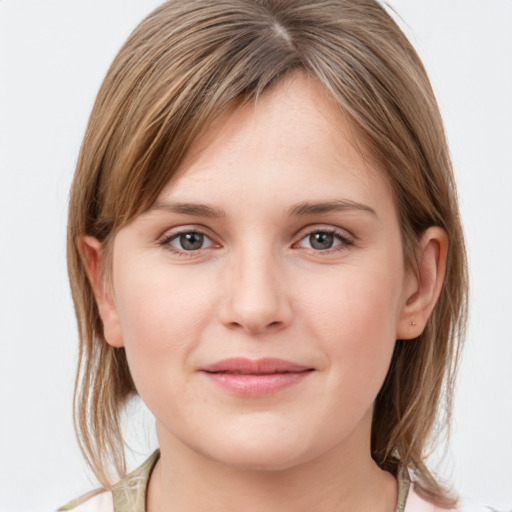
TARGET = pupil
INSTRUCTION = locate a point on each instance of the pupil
(191, 241)
(321, 241)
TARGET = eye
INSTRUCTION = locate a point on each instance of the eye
(324, 240)
(187, 241)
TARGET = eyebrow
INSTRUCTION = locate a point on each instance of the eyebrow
(194, 209)
(337, 205)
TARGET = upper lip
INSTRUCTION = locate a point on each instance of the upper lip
(265, 365)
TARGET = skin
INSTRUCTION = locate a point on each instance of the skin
(259, 287)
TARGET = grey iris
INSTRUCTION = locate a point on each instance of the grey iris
(191, 241)
(321, 241)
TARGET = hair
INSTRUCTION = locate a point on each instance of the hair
(184, 65)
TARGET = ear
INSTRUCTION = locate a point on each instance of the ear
(92, 255)
(422, 289)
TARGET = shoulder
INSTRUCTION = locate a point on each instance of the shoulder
(127, 495)
(469, 506)
(416, 503)
(96, 501)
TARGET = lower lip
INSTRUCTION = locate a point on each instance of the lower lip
(256, 385)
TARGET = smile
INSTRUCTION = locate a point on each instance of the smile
(247, 377)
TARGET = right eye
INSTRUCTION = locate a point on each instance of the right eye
(187, 241)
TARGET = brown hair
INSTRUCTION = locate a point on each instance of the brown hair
(183, 66)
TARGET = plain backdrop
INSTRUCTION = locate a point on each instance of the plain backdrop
(53, 56)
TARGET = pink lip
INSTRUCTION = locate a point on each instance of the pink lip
(249, 377)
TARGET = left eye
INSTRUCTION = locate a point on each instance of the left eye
(188, 241)
(323, 240)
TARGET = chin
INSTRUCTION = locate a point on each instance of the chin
(258, 452)
(263, 459)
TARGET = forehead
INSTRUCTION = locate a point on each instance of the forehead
(293, 140)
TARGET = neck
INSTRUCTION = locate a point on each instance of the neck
(341, 479)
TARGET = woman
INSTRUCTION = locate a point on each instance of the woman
(264, 244)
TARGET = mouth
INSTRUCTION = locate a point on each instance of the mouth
(248, 377)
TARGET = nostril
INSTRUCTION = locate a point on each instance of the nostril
(257, 327)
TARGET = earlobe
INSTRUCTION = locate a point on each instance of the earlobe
(422, 289)
(92, 254)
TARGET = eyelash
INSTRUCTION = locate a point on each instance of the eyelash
(340, 236)
(167, 239)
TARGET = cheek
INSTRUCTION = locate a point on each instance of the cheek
(162, 312)
(354, 315)
(162, 315)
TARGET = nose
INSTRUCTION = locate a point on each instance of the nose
(255, 295)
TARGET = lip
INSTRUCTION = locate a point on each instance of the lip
(255, 377)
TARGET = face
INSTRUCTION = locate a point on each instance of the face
(259, 300)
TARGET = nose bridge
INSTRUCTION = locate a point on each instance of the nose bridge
(256, 299)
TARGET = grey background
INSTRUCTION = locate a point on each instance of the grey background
(53, 56)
